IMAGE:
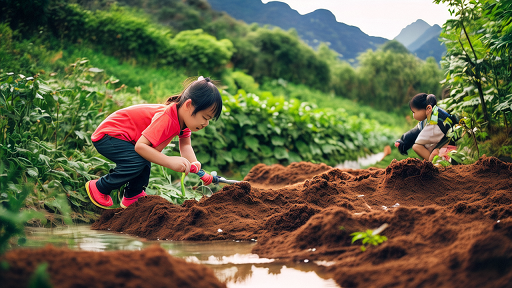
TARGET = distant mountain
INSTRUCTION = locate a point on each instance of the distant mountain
(313, 28)
(411, 33)
(432, 32)
(432, 47)
(423, 40)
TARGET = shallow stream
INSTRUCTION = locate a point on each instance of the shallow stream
(231, 261)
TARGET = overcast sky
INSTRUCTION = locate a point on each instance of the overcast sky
(384, 18)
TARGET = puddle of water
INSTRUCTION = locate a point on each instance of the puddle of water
(231, 261)
(361, 161)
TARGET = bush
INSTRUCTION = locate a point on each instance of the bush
(255, 129)
(199, 52)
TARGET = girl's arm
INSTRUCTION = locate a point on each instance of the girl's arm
(186, 150)
(144, 148)
(408, 139)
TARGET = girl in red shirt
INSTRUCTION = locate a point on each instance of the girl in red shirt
(134, 137)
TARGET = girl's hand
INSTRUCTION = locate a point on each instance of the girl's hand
(179, 164)
(397, 144)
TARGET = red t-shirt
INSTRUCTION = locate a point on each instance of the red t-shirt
(157, 122)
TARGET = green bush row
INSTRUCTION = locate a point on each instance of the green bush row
(266, 129)
(130, 36)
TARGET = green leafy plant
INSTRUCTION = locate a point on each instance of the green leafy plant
(440, 161)
(45, 129)
(468, 125)
(40, 278)
(370, 237)
(268, 129)
(12, 197)
(478, 60)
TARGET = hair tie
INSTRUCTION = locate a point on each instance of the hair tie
(200, 78)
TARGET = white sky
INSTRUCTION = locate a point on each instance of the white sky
(384, 18)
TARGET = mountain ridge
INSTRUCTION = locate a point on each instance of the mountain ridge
(315, 27)
(431, 32)
(422, 40)
(411, 32)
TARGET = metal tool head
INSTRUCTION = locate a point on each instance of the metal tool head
(224, 180)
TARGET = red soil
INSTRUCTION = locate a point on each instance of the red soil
(152, 267)
(452, 228)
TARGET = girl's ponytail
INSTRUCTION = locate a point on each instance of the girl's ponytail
(173, 99)
(431, 100)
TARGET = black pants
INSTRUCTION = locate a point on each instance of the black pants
(130, 168)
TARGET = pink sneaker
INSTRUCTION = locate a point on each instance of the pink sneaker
(99, 199)
(125, 202)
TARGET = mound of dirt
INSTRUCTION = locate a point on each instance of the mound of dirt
(152, 267)
(277, 175)
(448, 227)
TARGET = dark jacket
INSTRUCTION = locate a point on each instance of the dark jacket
(445, 122)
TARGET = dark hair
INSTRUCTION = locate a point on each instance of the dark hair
(203, 94)
(422, 100)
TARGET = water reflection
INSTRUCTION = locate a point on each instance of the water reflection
(231, 261)
(361, 161)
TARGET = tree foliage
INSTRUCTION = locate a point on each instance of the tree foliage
(478, 60)
(23, 15)
(200, 52)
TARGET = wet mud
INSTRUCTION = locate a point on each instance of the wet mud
(448, 227)
(151, 267)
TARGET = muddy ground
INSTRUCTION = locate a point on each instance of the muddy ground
(448, 227)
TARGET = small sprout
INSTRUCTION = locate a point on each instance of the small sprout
(370, 237)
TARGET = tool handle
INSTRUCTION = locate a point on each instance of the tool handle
(194, 169)
(209, 179)
(205, 177)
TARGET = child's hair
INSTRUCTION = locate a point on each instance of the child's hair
(422, 100)
(203, 94)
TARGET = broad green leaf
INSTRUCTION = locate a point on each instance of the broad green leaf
(302, 147)
(278, 141)
(280, 153)
(315, 150)
(239, 154)
(251, 142)
(32, 172)
(203, 157)
(294, 157)
(243, 120)
(227, 156)
(266, 151)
